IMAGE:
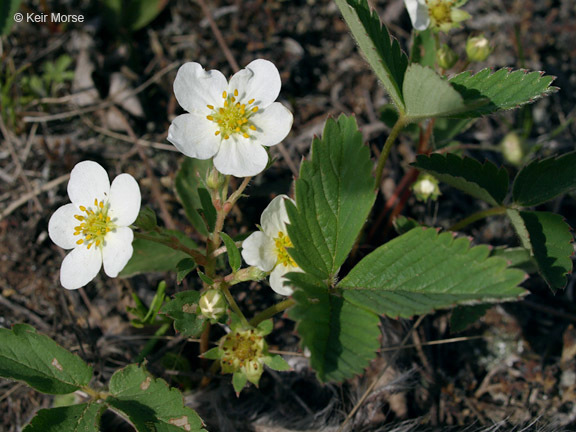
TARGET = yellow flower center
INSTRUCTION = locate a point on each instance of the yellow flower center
(94, 224)
(281, 243)
(233, 117)
(440, 11)
(241, 348)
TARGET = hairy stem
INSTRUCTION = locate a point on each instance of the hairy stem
(233, 305)
(174, 243)
(477, 216)
(400, 123)
(271, 311)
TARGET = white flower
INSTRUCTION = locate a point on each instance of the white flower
(266, 249)
(95, 224)
(230, 121)
(418, 11)
(440, 15)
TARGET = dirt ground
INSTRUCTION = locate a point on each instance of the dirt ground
(515, 369)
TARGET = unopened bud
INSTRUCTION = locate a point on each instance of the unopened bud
(512, 149)
(212, 304)
(215, 180)
(248, 274)
(446, 57)
(426, 187)
(478, 48)
(146, 219)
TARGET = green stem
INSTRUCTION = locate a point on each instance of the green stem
(400, 123)
(174, 243)
(233, 304)
(95, 394)
(477, 216)
(271, 311)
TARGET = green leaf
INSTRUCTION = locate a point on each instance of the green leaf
(187, 182)
(183, 309)
(208, 210)
(74, 418)
(7, 10)
(382, 52)
(403, 224)
(422, 270)
(207, 280)
(483, 181)
(146, 219)
(234, 257)
(150, 256)
(486, 92)
(140, 13)
(277, 363)
(334, 194)
(183, 268)
(40, 362)
(516, 257)
(424, 48)
(342, 338)
(239, 380)
(543, 180)
(549, 240)
(463, 317)
(426, 94)
(149, 403)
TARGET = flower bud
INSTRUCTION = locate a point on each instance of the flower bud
(478, 48)
(248, 274)
(215, 180)
(426, 187)
(512, 149)
(446, 57)
(146, 219)
(212, 304)
(241, 351)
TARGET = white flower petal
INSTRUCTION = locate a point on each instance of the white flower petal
(195, 87)
(194, 136)
(260, 81)
(277, 279)
(80, 266)
(117, 250)
(124, 200)
(418, 12)
(274, 217)
(88, 180)
(273, 124)
(240, 157)
(61, 226)
(258, 250)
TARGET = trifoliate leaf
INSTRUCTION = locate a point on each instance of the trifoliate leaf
(150, 256)
(543, 180)
(149, 403)
(74, 418)
(28, 356)
(187, 182)
(422, 270)
(183, 308)
(483, 181)
(382, 52)
(234, 258)
(334, 194)
(486, 92)
(342, 338)
(549, 240)
(516, 257)
(426, 94)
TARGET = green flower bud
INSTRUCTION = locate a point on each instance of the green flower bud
(426, 187)
(215, 180)
(478, 48)
(146, 219)
(446, 57)
(512, 149)
(212, 304)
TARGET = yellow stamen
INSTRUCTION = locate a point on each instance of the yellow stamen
(251, 101)
(224, 95)
(80, 241)
(217, 133)
(235, 92)
(210, 107)
(245, 135)
(210, 118)
(82, 208)
(255, 109)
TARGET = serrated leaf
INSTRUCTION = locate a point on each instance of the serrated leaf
(342, 338)
(28, 356)
(206, 279)
(277, 363)
(403, 224)
(543, 180)
(183, 268)
(239, 380)
(150, 256)
(422, 270)
(483, 181)
(487, 92)
(187, 182)
(149, 403)
(183, 309)
(334, 194)
(234, 258)
(549, 239)
(424, 48)
(426, 94)
(74, 418)
(382, 52)
(517, 257)
(208, 210)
